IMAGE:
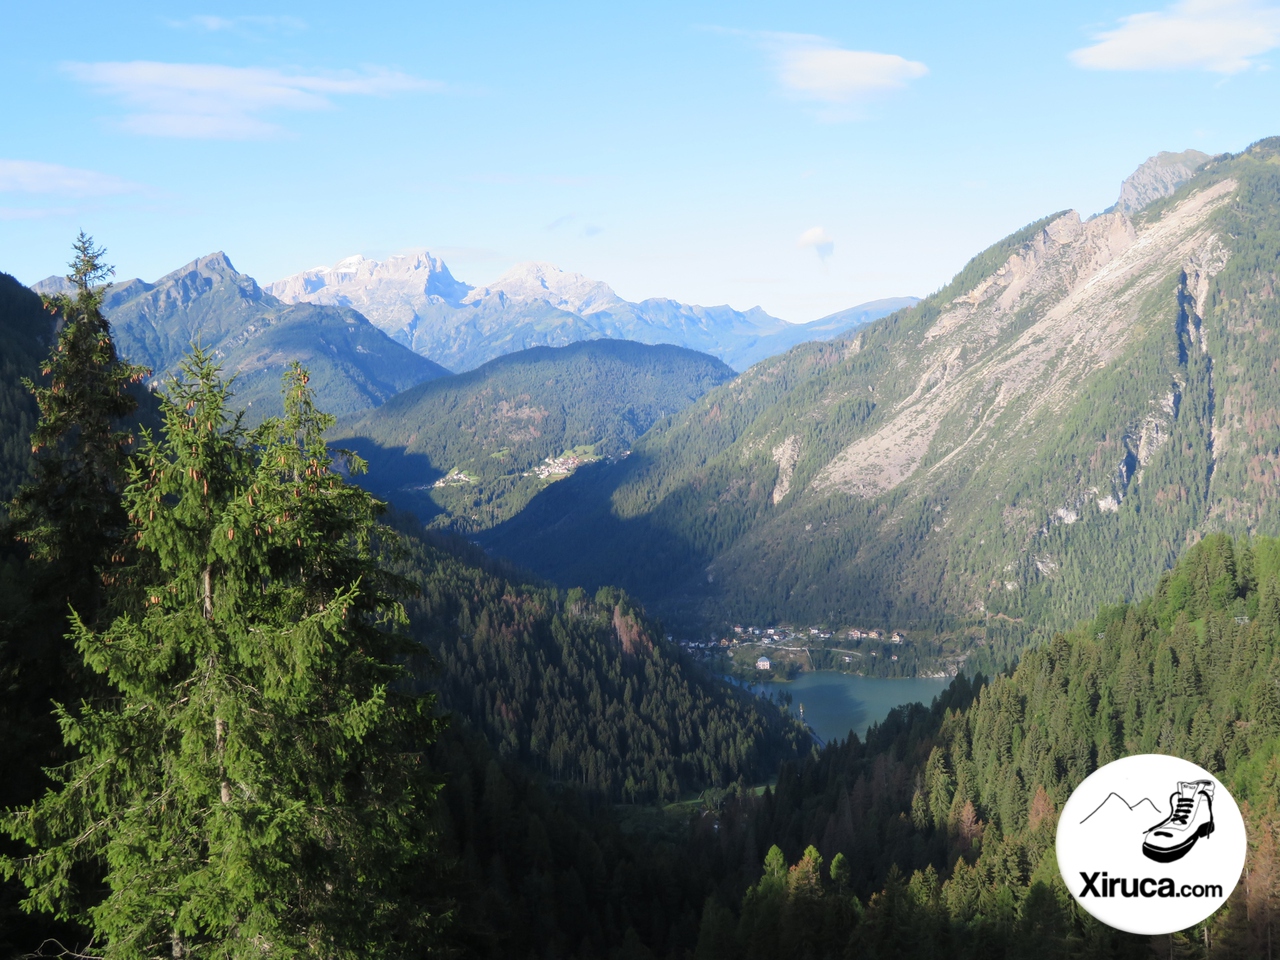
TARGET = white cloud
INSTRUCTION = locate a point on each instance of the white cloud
(30, 176)
(817, 238)
(216, 24)
(211, 101)
(815, 68)
(1221, 36)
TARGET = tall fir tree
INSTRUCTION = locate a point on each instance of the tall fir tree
(70, 515)
(67, 529)
(257, 786)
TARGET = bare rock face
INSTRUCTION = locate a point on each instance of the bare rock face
(1160, 176)
(53, 286)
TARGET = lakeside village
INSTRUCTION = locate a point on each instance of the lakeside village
(756, 654)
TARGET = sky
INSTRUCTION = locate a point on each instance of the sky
(803, 157)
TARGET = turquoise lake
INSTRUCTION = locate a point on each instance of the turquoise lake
(836, 703)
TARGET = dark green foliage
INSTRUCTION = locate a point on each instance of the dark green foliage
(70, 515)
(493, 426)
(255, 783)
(66, 530)
(26, 331)
(584, 689)
(544, 871)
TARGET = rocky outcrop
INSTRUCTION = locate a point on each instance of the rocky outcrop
(785, 455)
(1059, 307)
(1158, 177)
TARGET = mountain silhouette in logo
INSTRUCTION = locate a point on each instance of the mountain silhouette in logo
(1116, 809)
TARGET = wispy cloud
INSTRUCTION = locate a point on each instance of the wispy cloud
(215, 102)
(31, 176)
(817, 238)
(819, 69)
(1221, 36)
(242, 24)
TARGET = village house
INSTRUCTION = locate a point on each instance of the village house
(763, 664)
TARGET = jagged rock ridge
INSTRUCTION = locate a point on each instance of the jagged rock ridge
(255, 336)
(416, 301)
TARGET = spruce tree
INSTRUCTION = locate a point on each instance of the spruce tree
(70, 515)
(67, 530)
(256, 786)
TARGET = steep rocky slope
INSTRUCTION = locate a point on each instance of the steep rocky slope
(1158, 177)
(1045, 433)
(417, 301)
(254, 335)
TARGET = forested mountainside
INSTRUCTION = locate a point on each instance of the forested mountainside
(1080, 391)
(26, 332)
(353, 365)
(934, 836)
(943, 824)
(417, 301)
(584, 690)
(468, 451)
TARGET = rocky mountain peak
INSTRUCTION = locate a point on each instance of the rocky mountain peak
(215, 265)
(54, 285)
(359, 282)
(567, 291)
(1158, 177)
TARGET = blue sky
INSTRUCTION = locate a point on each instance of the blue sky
(800, 156)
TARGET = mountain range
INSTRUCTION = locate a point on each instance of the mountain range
(418, 302)
(353, 365)
(1044, 434)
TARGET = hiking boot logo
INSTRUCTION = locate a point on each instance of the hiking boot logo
(1126, 856)
(1190, 818)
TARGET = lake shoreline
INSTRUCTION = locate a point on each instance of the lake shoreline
(833, 704)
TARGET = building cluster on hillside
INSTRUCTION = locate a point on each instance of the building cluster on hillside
(560, 466)
(452, 479)
(564, 465)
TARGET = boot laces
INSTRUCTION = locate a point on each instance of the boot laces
(1183, 810)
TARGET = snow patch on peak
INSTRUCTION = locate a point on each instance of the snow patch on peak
(567, 291)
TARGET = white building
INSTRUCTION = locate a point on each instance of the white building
(763, 664)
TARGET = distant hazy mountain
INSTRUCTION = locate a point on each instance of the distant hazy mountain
(52, 286)
(1044, 434)
(255, 336)
(472, 449)
(418, 302)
